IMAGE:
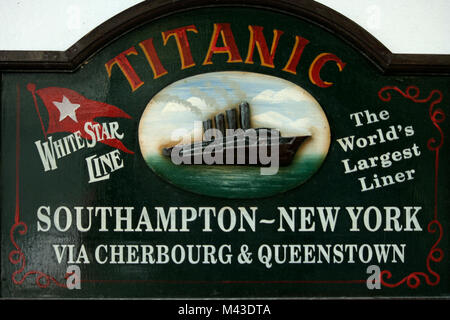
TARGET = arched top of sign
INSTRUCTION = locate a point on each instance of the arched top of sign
(145, 12)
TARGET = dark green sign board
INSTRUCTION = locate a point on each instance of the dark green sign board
(184, 150)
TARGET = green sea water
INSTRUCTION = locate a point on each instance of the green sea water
(239, 182)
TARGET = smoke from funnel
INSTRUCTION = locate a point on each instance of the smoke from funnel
(236, 89)
(210, 101)
(165, 98)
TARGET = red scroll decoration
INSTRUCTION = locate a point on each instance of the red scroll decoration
(437, 116)
(17, 256)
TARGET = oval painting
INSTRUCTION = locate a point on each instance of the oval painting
(284, 132)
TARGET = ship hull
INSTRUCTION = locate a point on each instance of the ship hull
(257, 154)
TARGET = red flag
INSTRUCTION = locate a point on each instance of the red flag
(68, 111)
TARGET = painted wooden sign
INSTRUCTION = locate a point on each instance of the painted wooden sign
(265, 149)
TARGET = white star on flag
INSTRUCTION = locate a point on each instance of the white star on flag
(66, 109)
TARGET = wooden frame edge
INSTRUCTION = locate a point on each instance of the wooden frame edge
(147, 11)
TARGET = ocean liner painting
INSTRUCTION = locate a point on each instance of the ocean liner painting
(238, 147)
(234, 134)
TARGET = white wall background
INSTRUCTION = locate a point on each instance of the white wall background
(404, 26)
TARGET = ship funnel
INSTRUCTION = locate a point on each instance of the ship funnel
(232, 119)
(220, 122)
(207, 124)
(244, 109)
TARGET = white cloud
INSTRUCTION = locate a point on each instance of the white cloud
(301, 123)
(271, 118)
(174, 107)
(276, 120)
(192, 104)
(197, 102)
(286, 94)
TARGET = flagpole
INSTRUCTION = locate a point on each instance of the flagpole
(32, 88)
